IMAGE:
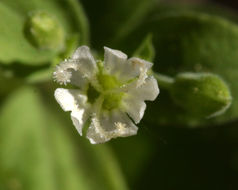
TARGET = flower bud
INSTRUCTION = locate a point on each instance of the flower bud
(44, 31)
(202, 94)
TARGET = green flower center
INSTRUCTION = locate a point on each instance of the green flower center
(92, 94)
(111, 97)
(108, 82)
(112, 101)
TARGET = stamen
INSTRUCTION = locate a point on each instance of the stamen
(63, 72)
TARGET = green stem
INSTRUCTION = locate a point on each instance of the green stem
(164, 81)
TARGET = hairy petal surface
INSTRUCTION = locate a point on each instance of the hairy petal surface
(70, 99)
(85, 60)
(108, 126)
(79, 119)
(114, 60)
(135, 107)
(149, 90)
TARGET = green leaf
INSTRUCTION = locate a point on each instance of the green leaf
(123, 14)
(146, 49)
(14, 47)
(39, 76)
(25, 160)
(135, 162)
(37, 152)
(19, 73)
(7, 82)
(189, 42)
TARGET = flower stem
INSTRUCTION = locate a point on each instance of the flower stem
(164, 81)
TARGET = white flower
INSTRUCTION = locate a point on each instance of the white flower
(107, 93)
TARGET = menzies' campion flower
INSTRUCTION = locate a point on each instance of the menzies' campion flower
(108, 93)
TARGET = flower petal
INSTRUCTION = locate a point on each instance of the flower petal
(68, 72)
(136, 66)
(114, 60)
(78, 79)
(135, 107)
(83, 53)
(116, 63)
(108, 126)
(70, 100)
(79, 119)
(149, 90)
(86, 63)
(94, 135)
(78, 69)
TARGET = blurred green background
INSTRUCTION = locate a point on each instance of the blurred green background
(174, 149)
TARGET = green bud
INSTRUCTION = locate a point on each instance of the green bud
(202, 94)
(44, 31)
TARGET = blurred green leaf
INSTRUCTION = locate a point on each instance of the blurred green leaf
(189, 42)
(40, 76)
(15, 47)
(18, 73)
(139, 150)
(25, 160)
(7, 82)
(123, 14)
(146, 49)
(37, 152)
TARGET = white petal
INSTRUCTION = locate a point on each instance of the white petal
(71, 99)
(108, 126)
(124, 126)
(149, 90)
(135, 107)
(83, 52)
(78, 79)
(68, 72)
(114, 60)
(116, 63)
(79, 118)
(136, 67)
(94, 135)
(85, 60)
